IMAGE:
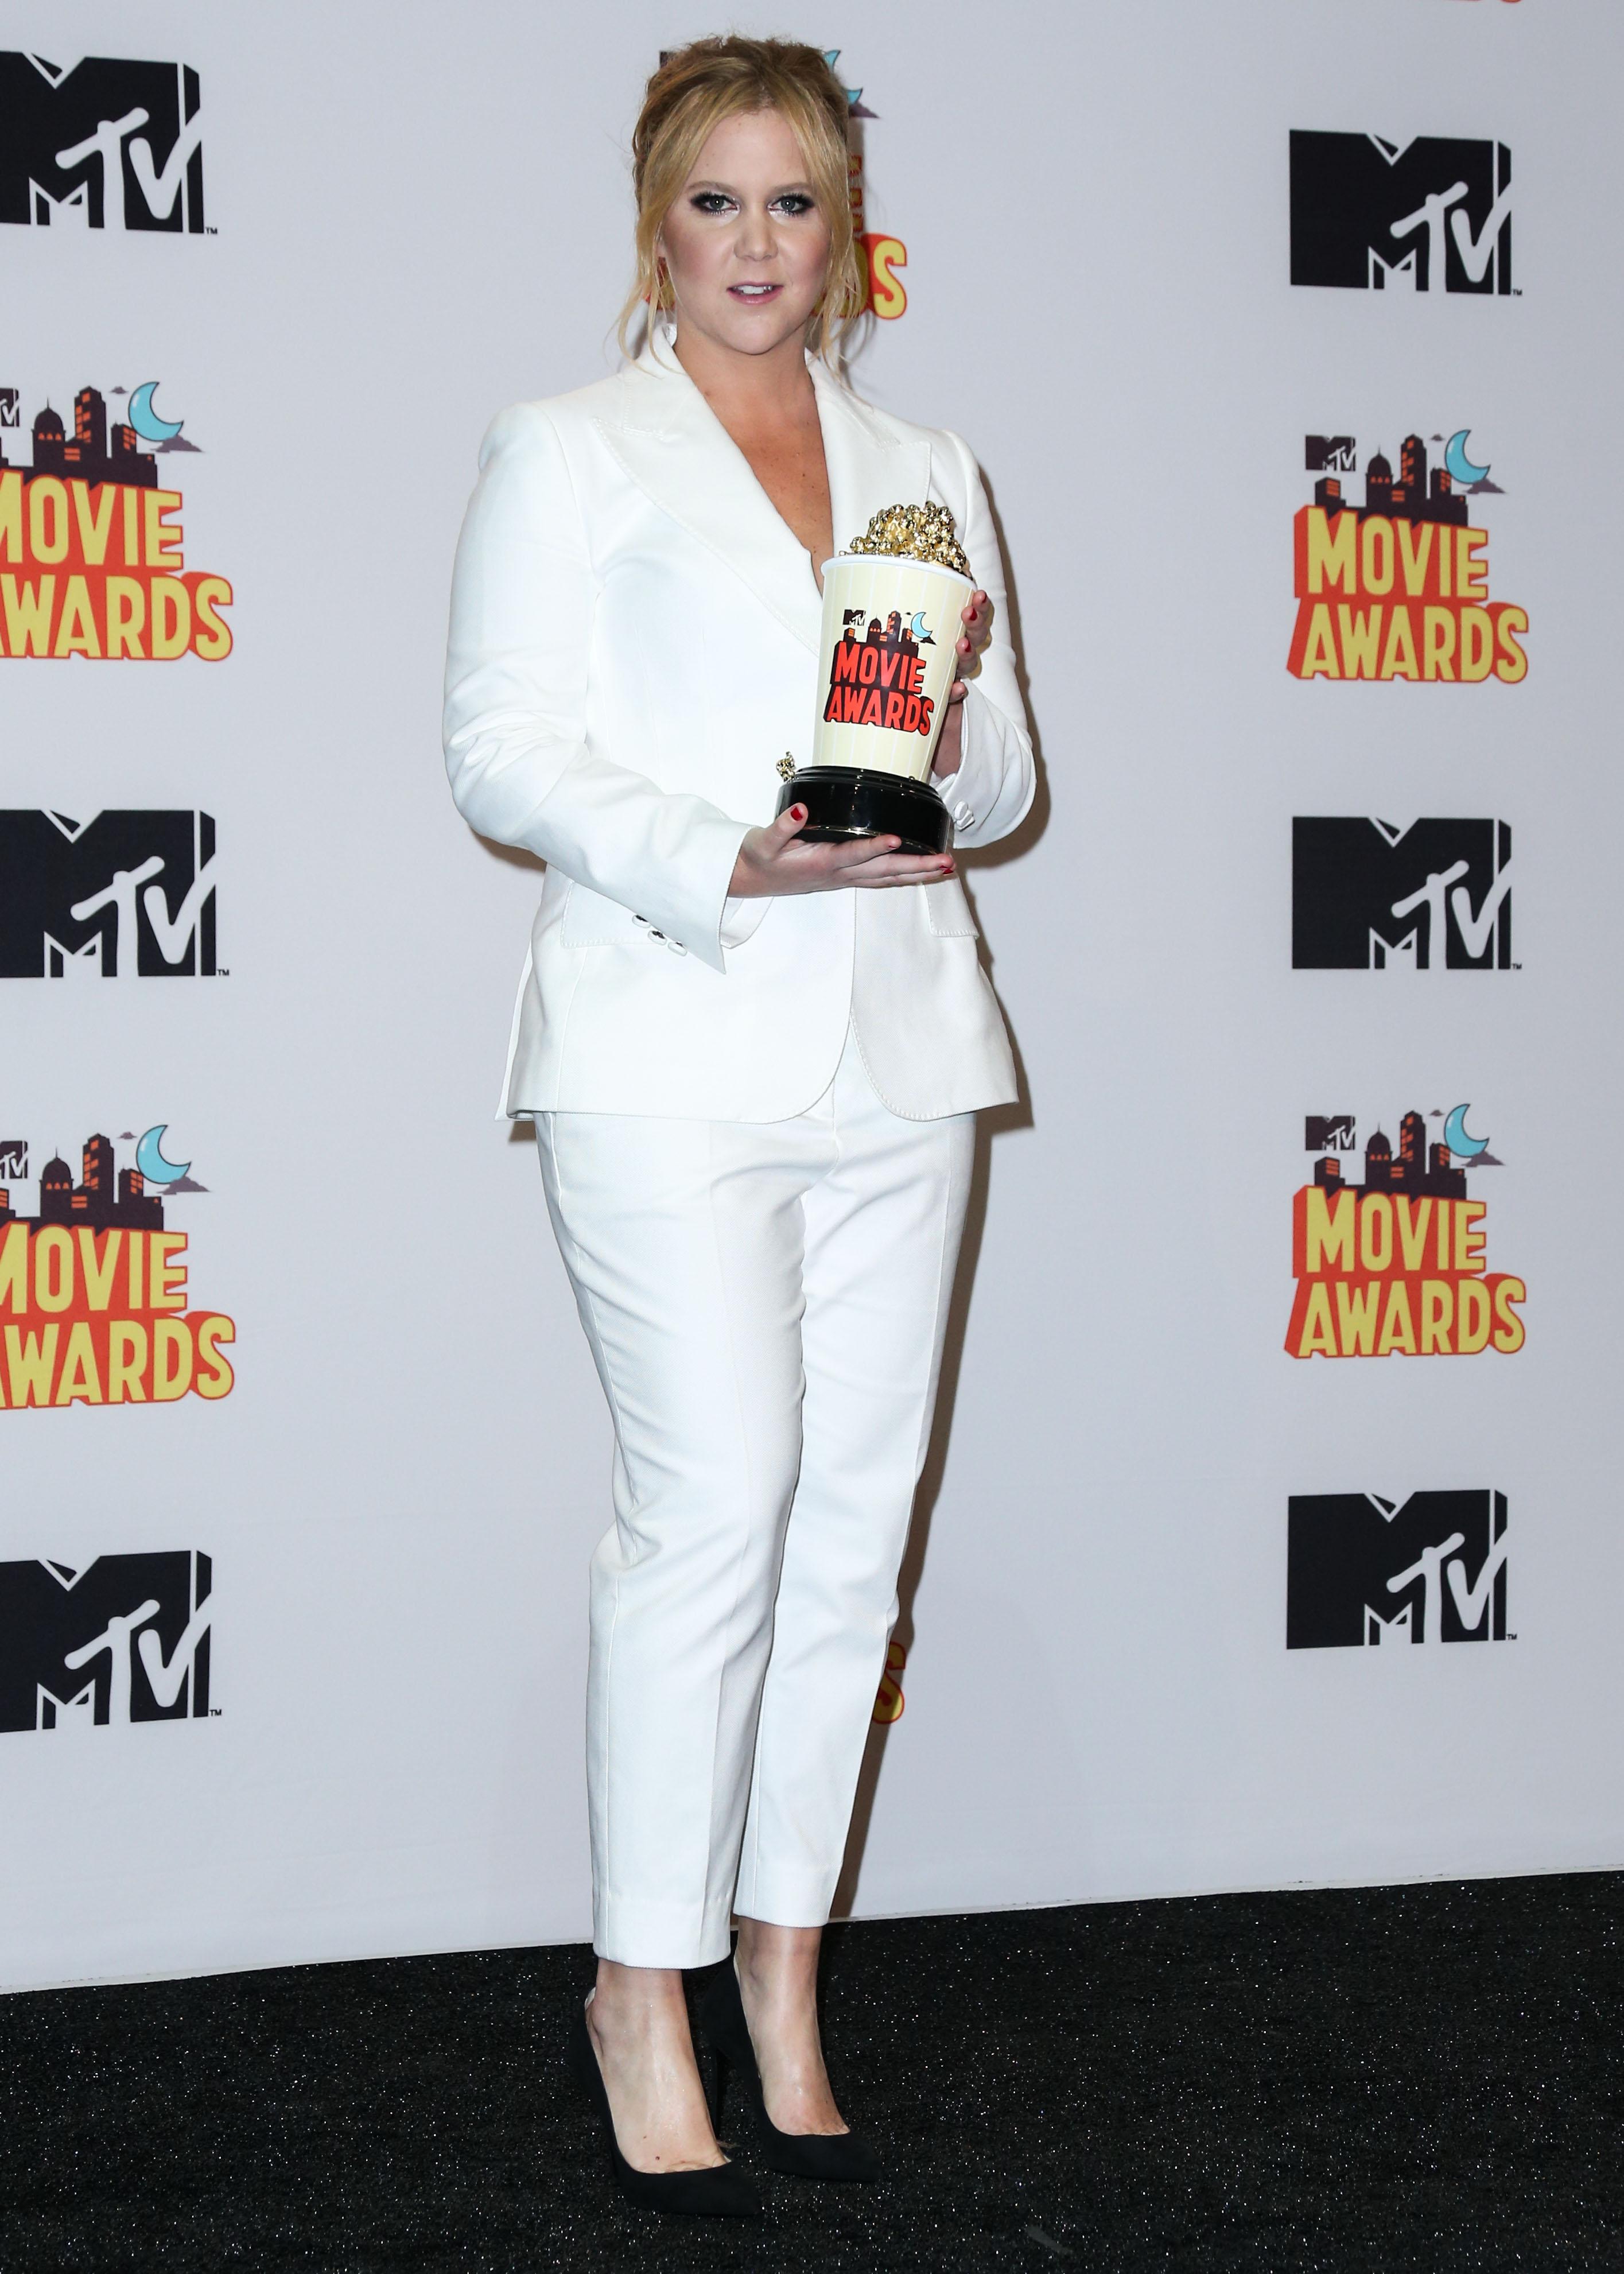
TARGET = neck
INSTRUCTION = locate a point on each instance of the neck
(744, 388)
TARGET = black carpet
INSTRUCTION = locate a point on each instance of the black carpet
(1425, 2078)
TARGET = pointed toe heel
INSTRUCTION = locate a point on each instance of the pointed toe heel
(718, 2191)
(841, 2157)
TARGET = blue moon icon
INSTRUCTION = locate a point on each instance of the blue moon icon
(145, 420)
(1460, 467)
(150, 1161)
(1464, 1147)
(917, 630)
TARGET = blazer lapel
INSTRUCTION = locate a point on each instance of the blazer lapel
(870, 465)
(672, 444)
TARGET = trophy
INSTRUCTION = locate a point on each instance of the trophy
(887, 655)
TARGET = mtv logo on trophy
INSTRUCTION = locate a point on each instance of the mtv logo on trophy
(887, 655)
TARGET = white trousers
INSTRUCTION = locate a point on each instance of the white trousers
(765, 1302)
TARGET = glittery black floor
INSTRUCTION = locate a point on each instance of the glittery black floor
(1426, 2078)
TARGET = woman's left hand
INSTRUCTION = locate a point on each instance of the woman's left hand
(976, 631)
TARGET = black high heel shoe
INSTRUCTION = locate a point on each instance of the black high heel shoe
(718, 2191)
(841, 2156)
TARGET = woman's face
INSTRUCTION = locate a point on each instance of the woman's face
(745, 246)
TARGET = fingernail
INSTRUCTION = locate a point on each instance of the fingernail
(798, 813)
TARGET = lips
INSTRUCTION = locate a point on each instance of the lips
(754, 294)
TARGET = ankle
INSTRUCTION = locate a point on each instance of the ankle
(632, 2003)
(777, 1962)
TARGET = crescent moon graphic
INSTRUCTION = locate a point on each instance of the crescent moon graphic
(145, 420)
(917, 627)
(1463, 1147)
(150, 1161)
(1460, 467)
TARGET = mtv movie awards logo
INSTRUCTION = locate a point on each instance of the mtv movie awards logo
(94, 1296)
(126, 894)
(124, 1639)
(1369, 895)
(1363, 1569)
(1398, 587)
(92, 560)
(1432, 215)
(876, 675)
(883, 255)
(101, 143)
(1397, 1264)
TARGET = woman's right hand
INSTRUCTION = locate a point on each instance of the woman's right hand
(774, 861)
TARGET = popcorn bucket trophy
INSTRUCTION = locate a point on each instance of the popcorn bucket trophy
(887, 655)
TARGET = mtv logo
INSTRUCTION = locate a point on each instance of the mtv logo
(1370, 895)
(10, 408)
(129, 893)
(1362, 1570)
(1330, 454)
(14, 1156)
(103, 144)
(124, 1640)
(1429, 215)
(1328, 1132)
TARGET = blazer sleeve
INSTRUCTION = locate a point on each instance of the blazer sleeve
(516, 749)
(994, 785)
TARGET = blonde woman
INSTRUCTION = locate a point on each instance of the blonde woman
(753, 1064)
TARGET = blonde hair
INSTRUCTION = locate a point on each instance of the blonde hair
(687, 98)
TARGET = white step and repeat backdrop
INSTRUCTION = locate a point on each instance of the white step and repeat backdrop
(1275, 1537)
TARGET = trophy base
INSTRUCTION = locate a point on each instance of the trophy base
(844, 802)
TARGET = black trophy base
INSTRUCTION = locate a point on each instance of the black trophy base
(844, 802)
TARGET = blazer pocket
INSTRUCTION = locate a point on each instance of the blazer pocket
(949, 910)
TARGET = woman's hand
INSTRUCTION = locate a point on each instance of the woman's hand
(977, 630)
(774, 861)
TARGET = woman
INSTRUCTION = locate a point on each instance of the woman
(753, 1064)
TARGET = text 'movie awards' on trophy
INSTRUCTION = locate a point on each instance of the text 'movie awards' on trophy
(887, 655)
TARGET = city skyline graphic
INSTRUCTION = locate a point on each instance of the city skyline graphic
(104, 1196)
(1419, 491)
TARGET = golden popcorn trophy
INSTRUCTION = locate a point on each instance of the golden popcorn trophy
(887, 655)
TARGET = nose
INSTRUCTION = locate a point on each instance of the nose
(757, 240)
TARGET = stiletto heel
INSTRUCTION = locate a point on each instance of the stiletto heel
(836, 2155)
(718, 2191)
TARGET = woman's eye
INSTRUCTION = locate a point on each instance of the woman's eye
(710, 201)
(795, 203)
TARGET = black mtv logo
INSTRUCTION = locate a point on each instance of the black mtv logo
(1328, 1132)
(108, 143)
(11, 407)
(126, 893)
(1434, 215)
(14, 1156)
(1361, 1569)
(1330, 454)
(1368, 896)
(126, 1639)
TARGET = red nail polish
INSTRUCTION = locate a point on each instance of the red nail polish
(798, 813)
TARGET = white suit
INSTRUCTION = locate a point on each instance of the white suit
(754, 1117)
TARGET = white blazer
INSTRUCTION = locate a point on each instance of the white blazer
(633, 648)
